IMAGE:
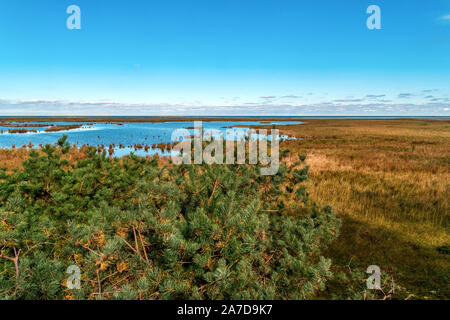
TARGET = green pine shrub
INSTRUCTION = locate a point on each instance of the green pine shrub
(139, 228)
(302, 157)
(301, 175)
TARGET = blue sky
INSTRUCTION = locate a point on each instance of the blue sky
(225, 57)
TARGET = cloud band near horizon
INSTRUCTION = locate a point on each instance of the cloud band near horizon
(343, 107)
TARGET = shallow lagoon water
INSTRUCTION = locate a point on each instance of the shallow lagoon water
(128, 134)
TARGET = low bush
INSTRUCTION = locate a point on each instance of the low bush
(140, 229)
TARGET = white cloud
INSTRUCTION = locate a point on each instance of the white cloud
(444, 19)
(266, 108)
(268, 97)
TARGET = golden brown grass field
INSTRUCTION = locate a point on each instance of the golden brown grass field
(389, 181)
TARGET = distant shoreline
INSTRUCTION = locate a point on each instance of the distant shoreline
(155, 119)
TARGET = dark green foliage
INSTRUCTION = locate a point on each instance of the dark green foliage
(301, 175)
(284, 153)
(443, 249)
(140, 231)
(302, 194)
(302, 157)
